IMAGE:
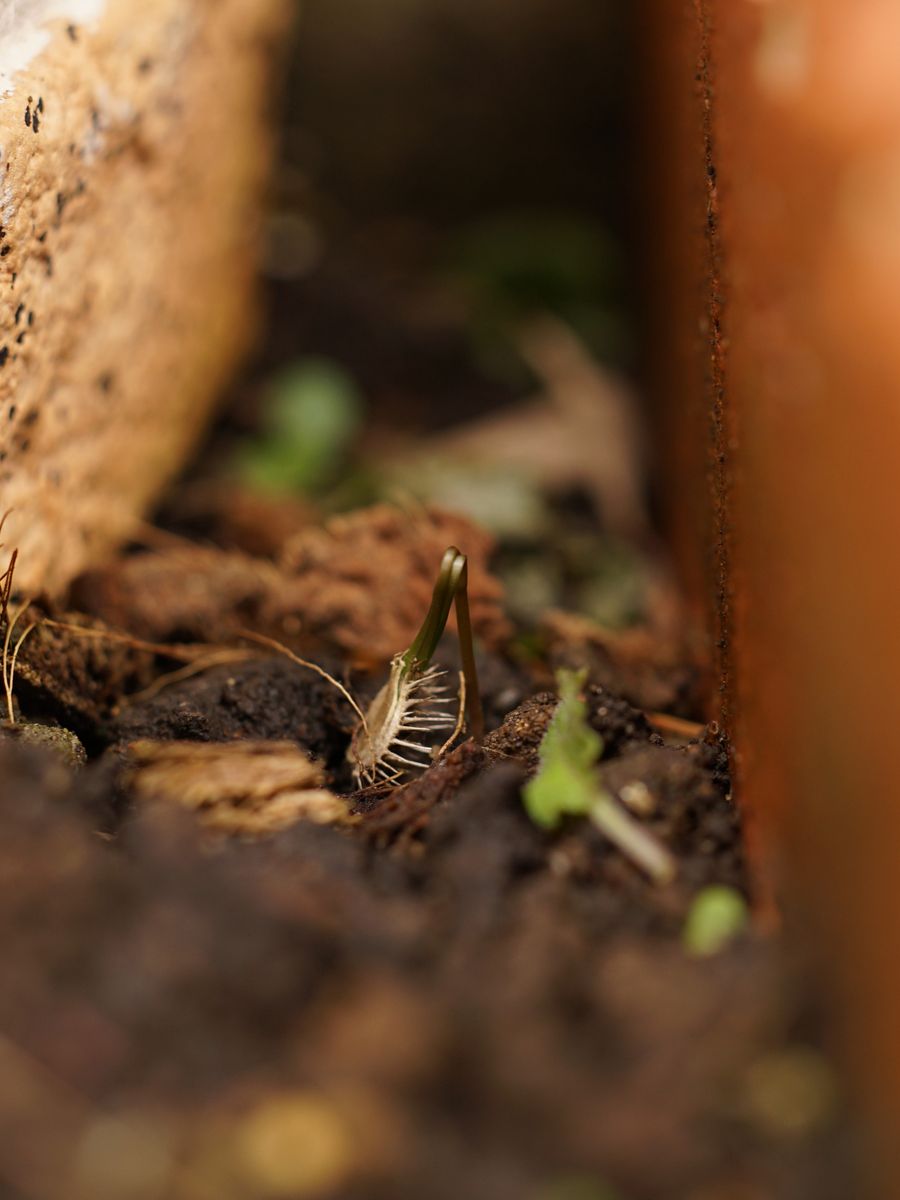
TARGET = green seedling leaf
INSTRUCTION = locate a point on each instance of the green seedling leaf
(717, 916)
(314, 411)
(567, 783)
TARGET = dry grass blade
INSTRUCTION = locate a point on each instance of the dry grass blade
(187, 654)
(9, 676)
(9, 621)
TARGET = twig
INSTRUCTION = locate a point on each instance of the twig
(166, 650)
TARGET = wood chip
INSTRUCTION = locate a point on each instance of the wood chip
(245, 789)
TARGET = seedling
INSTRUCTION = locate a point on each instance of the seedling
(413, 699)
(416, 696)
(567, 784)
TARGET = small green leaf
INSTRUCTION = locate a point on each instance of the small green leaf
(717, 916)
(559, 789)
(566, 783)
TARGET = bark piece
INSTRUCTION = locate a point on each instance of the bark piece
(133, 152)
(246, 789)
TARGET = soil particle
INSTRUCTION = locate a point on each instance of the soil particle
(689, 812)
(647, 668)
(619, 723)
(522, 731)
(62, 742)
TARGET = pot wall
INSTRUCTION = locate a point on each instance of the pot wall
(787, 474)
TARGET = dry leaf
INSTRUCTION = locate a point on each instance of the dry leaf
(248, 789)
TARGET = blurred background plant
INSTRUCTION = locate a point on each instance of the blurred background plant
(311, 413)
(449, 318)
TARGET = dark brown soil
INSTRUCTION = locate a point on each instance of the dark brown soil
(268, 700)
(435, 1000)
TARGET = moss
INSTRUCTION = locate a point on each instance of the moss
(55, 738)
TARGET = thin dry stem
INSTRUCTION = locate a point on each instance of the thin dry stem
(10, 622)
(9, 683)
(167, 650)
(675, 726)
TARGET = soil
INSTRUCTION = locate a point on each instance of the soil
(426, 997)
(429, 998)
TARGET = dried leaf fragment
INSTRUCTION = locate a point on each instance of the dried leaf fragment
(247, 789)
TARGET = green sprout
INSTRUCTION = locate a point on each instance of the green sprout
(567, 784)
(387, 740)
(717, 916)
